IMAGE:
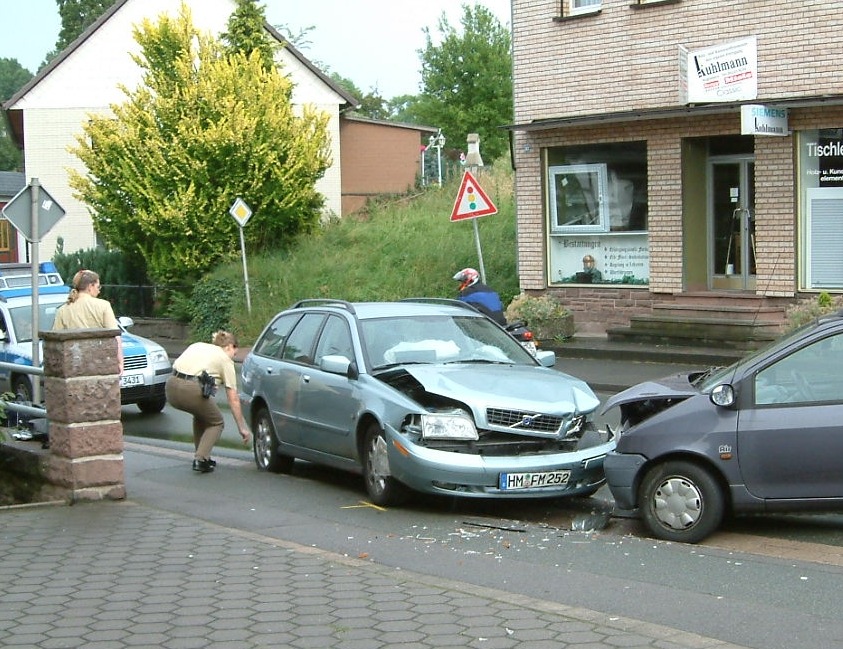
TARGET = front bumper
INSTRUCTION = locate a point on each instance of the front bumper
(622, 474)
(137, 393)
(478, 476)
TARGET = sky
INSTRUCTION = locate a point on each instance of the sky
(374, 43)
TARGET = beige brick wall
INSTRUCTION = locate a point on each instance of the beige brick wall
(624, 58)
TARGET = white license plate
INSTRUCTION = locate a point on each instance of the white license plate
(512, 481)
(129, 380)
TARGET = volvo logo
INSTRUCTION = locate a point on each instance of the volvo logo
(527, 421)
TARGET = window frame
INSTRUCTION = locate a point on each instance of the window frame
(598, 169)
(577, 9)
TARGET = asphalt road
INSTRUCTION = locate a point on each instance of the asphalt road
(822, 529)
(567, 552)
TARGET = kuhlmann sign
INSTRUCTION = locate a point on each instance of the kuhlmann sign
(724, 72)
(763, 120)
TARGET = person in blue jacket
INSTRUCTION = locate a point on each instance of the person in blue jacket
(480, 296)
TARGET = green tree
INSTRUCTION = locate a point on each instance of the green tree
(403, 109)
(246, 33)
(12, 78)
(467, 81)
(204, 128)
(372, 105)
(11, 158)
(76, 16)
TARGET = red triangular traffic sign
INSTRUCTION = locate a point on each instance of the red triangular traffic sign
(471, 200)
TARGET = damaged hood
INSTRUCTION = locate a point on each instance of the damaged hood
(674, 387)
(521, 387)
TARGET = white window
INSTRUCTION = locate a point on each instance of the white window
(584, 6)
(578, 198)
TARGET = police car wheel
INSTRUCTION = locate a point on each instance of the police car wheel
(22, 387)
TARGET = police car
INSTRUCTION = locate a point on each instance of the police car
(146, 365)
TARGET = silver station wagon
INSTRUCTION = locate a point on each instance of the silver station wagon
(428, 395)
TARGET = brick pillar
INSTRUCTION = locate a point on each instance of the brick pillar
(82, 395)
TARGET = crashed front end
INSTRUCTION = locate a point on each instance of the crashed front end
(492, 432)
(647, 406)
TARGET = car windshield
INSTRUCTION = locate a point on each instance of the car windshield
(22, 320)
(719, 375)
(439, 339)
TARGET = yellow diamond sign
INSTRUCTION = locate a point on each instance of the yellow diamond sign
(240, 211)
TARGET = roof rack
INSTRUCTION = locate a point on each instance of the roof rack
(19, 275)
(445, 301)
(324, 302)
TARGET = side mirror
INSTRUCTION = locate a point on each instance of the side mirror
(125, 321)
(546, 358)
(723, 395)
(338, 365)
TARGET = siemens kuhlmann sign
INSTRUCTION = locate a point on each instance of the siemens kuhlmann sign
(763, 120)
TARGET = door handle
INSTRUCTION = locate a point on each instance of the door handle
(305, 378)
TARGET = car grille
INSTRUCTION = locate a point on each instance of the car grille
(526, 421)
(134, 362)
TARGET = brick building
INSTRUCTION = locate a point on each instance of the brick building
(693, 148)
(377, 158)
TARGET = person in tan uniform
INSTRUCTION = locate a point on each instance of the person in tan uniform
(84, 310)
(184, 392)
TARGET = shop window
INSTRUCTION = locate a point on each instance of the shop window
(597, 214)
(821, 208)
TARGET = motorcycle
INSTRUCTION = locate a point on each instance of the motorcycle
(522, 334)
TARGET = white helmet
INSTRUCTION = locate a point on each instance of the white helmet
(467, 277)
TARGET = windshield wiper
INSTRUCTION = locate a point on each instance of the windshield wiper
(482, 361)
(699, 377)
(389, 366)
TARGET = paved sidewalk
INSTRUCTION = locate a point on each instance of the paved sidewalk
(110, 575)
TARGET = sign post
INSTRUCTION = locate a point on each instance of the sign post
(241, 213)
(34, 212)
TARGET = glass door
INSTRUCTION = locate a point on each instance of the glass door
(732, 223)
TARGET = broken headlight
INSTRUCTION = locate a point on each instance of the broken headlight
(443, 426)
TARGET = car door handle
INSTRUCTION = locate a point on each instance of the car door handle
(305, 378)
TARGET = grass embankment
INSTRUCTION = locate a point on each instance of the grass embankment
(400, 247)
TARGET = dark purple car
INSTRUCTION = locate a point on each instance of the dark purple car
(762, 435)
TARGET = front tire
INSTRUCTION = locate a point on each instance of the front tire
(265, 446)
(152, 406)
(22, 387)
(382, 488)
(681, 501)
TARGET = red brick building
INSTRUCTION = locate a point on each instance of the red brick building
(378, 157)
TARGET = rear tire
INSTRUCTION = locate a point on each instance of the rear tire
(681, 501)
(265, 445)
(382, 488)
